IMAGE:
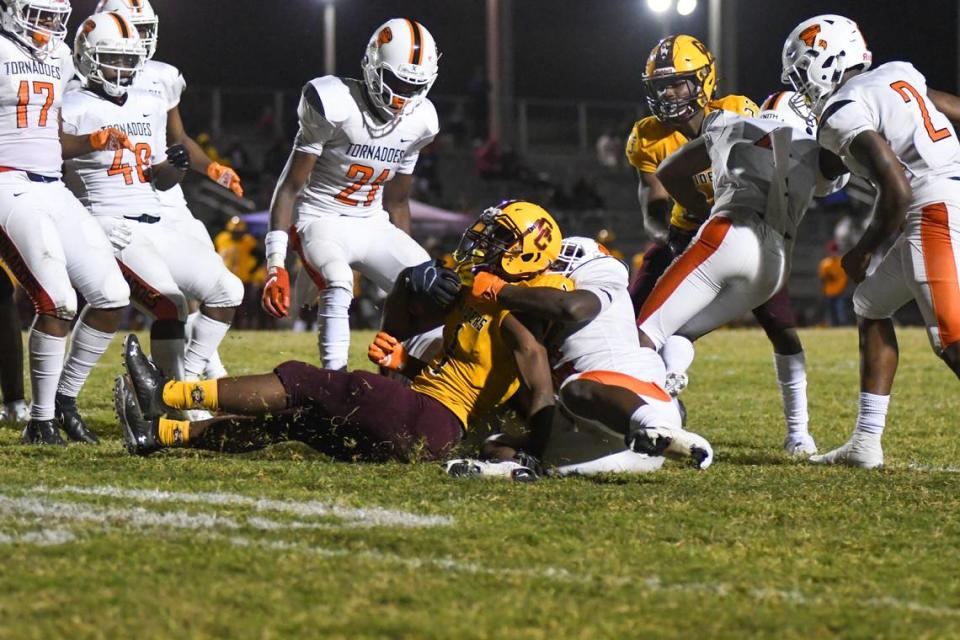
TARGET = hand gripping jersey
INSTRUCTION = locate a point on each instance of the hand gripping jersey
(765, 167)
(892, 100)
(31, 93)
(651, 142)
(115, 183)
(476, 370)
(357, 152)
(167, 83)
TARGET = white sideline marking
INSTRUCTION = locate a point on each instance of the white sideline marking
(648, 583)
(924, 467)
(42, 538)
(357, 517)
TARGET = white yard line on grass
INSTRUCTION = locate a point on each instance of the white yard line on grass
(357, 517)
(557, 574)
(42, 538)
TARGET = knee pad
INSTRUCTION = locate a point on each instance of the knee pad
(114, 293)
(63, 306)
(227, 293)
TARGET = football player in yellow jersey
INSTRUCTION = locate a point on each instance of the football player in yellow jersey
(487, 352)
(680, 80)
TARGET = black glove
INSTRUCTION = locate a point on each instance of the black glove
(178, 156)
(678, 240)
(433, 280)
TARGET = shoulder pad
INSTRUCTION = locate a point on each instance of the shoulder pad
(329, 97)
(735, 103)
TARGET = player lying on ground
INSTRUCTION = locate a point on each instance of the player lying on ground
(361, 415)
(890, 128)
(609, 385)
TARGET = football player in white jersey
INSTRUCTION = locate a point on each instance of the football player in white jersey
(610, 387)
(349, 179)
(162, 265)
(888, 127)
(765, 173)
(166, 81)
(47, 238)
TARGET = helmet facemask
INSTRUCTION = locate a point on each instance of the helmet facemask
(484, 244)
(574, 252)
(676, 97)
(149, 30)
(815, 94)
(392, 93)
(41, 26)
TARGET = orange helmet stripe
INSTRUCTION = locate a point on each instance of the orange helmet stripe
(416, 50)
(121, 24)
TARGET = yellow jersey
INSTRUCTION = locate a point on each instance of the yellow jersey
(651, 142)
(476, 370)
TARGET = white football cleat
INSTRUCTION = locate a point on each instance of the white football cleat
(677, 444)
(505, 469)
(861, 450)
(675, 383)
(800, 445)
(16, 412)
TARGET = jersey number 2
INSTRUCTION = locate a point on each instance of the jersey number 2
(23, 100)
(906, 90)
(362, 173)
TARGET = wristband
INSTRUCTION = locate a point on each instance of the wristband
(276, 242)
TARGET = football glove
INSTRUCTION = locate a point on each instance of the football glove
(120, 235)
(110, 139)
(276, 292)
(432, 279)
(487, 286)
(387, 352)
(678, 240)
(178, 156)
(225, 177)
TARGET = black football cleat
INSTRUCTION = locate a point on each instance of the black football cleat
(42, 432)
(146, 379)
(140, 436)
(73, 425)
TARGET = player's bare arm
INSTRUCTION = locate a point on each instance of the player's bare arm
(656, 204)
(396, 200)
(169, 173)
(885, 171)
(676, 174)
(534, 368)
(946, 103)
(200, 161)
(407, 312)
(550, 303)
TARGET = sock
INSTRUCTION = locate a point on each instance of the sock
(620, 462)
(872, 417)
(86, 346)
(196, 394)
(214, 368)
(792, 379)
(205, 337)
(334, 325)
(677, 354)
(174, 433)
(46, 363)
(168, 354)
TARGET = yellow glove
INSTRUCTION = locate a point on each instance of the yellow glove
(387, 352)
(225, 177)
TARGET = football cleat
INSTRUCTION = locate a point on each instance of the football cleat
(861, 450)
(140, 435)
(676, 444)
(16, 412)
(675, 383)
(73, 425)
(42, 432)
(146, 378)
(505, 469)
(800, 445)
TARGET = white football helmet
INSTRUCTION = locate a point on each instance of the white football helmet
(576, 251)
(141, 14)
(400, 65)
(108, 51)
(40, 25)
(790, 108)
(817, 53)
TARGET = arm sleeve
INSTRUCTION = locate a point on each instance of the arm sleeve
(315, 130)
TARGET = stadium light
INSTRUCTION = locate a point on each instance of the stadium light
(659, 6)
(686, 7)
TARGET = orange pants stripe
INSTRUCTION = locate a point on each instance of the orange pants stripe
(941, 268)
(616, 379)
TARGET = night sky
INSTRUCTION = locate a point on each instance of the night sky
(574, 49)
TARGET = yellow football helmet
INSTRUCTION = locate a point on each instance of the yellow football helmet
(680, 78)
(515, 240)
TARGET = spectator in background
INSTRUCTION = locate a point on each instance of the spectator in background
(834, 282)
(238, 249)
(609, 150)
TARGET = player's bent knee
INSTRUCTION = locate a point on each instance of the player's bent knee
(578, 396)
(114, 293)
(228, 292)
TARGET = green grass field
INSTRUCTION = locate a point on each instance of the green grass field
(285, 544)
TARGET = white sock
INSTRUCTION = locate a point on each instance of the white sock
(169, 354)
(677, 354)
(86, 346)
(792, 379)
(46, 363)
(214, 368)
(204, 339)
(621, 462)
(334, 323)
(873, 414)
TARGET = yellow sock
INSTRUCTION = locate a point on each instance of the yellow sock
(201, 394)
(174, 432)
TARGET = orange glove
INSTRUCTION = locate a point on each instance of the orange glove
(387, 351)
(110, 139)
(225, 177)
(276, 292)
(487, 286)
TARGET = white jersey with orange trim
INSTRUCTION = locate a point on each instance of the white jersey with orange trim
(357, 152)
(892, 100)
(167, 83)
(31, 93)
(608, 342)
